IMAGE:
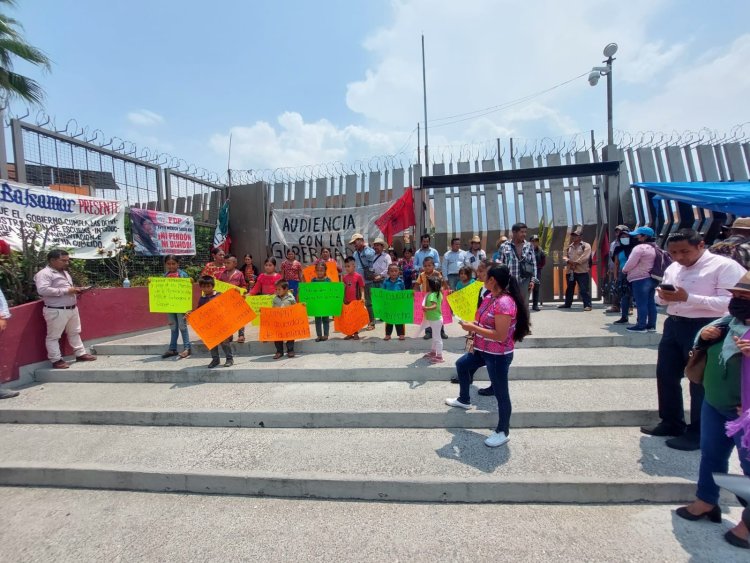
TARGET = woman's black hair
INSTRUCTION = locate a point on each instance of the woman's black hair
(169, 257)
(139, 233)
(270, 259)
(501, 274)
(215, 251)
(433, 284)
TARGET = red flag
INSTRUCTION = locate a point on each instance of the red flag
(399, 217)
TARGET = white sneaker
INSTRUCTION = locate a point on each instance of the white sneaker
(496, 440)
(457, 403)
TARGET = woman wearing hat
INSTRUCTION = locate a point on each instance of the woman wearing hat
(638, 270)
(726, 380)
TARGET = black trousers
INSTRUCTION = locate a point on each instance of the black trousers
(584, 289)
(675, 345)
(280, 346)
(399, 329)
(226, 347)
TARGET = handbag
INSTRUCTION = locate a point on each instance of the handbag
(469, 344)
(369, 272)
(696, 365)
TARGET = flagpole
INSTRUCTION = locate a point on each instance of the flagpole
(424, 92)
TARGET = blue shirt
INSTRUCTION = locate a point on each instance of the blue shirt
(421, 254)
(5, 312)
(362, 260)
(397, 285)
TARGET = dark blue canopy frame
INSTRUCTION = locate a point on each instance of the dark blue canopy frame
(724, 197)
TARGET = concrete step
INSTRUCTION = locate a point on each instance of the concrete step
(147, 527)
(588, 465)
(561, 363)
(536, 404)
(607, 336)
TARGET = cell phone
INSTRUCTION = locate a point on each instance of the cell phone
(667, 287)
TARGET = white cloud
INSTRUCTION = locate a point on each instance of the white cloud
(145, 118)
(483, 53)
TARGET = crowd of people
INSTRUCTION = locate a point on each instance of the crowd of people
(706, 293)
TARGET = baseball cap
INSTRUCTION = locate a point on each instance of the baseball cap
(647, 231)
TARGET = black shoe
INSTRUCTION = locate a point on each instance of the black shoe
(454, 380)
(169, 353)
(535, 309)
(661, 429)
(443, 335)
(8, 394)
(685, 443)
(427, 336)
(735, 541)
(229, 363)
(487, 391)
(215, 362)
(564, 306)
(714, 515)
(624, 321)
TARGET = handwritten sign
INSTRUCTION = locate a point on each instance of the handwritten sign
(332, 271)
(223, 287)
(256, 302)
(419, 313)
(323, 299)
(353, 318)
(284, 323)
(464, 301)
(393, 307)
(221, 317)
(170, 295)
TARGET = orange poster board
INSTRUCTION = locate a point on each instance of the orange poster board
(284, 323)
(353, 318)
(221, 317)
(332, 271)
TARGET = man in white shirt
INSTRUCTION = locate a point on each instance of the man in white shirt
(692, 290)
(453, 260)
(475, 254)
(380, 262)
(4, 316)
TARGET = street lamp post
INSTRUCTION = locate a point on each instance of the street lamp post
(596, 73)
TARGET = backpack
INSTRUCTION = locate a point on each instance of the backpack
(662, 259)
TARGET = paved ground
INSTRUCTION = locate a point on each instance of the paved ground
(80, 526)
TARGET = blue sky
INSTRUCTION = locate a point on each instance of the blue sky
(304, 82)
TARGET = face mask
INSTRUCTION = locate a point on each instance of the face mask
(739, 308)
(625, 241)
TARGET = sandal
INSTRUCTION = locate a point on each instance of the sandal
(185, 353)
(387, 338)
(371, 326)
(355, 336)
(277, 355)
(290, 354)
(402, 337)
(319, 339)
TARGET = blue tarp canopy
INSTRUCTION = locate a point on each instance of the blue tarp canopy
(725, 197)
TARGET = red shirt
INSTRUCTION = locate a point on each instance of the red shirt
(292, 271)
(265, 284)
(352, 282)
(235, 278)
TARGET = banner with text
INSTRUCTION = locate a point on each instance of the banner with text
(170, 295)
(84, 226)
(308, 231)
(157, 234)
(393, 307)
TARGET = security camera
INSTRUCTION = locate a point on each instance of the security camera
(594, 77)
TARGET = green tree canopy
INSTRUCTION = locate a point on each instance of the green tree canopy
(13, 46)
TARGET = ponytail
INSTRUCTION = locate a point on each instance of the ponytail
(501, 274)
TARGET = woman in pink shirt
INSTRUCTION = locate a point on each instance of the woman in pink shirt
(501, 320)
(638, 269)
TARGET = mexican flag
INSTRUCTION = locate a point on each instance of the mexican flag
(221, 235)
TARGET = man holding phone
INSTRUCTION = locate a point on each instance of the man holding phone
(55, 286)
(692, 290)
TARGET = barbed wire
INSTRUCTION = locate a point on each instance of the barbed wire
(96, 137)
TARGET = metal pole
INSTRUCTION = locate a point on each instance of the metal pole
(424, 91)
(3, 149)
(419, 149)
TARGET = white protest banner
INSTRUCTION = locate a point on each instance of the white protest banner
(307, 231)
(158, 234)
(84, 226)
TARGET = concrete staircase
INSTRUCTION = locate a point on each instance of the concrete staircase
(353, 420)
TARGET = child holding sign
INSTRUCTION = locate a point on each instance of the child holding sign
(434, 318)
(283, 299)
(393, 283)
(177, 322)
(266, 282)
(354, 287)
(206, 283)
(233, 276)
(322, 324)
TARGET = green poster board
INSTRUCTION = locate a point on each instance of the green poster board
(170, 295)
(323, 299)
(393, 307)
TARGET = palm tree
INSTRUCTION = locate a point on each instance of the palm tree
(12, 45)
